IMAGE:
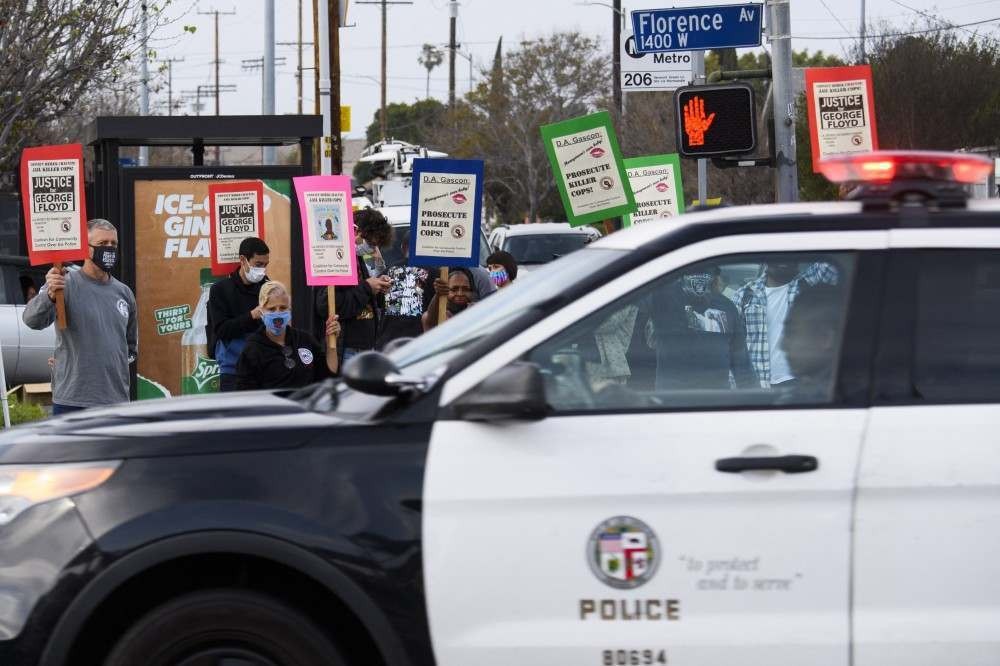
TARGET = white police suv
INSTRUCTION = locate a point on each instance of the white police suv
(763, 435)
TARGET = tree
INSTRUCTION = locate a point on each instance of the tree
(557, 77)
(54, 53)
(430, 57)
(936, 91)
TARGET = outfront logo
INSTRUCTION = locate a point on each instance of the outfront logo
(623, 552)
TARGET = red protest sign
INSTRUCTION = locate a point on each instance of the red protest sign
(55, 207)
(841, 111)
(236, 212)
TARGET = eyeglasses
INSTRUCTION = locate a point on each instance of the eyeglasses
(289, 361)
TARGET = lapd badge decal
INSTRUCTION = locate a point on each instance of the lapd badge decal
(623, 552)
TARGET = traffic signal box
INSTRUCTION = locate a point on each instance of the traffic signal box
(713, 121)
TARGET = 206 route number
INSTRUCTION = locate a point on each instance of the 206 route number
(638, 79)
(633, 657)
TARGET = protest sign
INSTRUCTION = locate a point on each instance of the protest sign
(446, 212)
(841, 111)
(656, 185)
(237, 212)
(587, 164)
(327, 230)
(55, 208)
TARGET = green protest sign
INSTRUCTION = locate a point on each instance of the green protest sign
(656, 185)
(587, 164)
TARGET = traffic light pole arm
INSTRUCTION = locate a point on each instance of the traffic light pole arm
(737, 75)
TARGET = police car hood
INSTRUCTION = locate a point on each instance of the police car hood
(220, 423)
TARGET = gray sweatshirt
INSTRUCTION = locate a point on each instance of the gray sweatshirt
(94, 352)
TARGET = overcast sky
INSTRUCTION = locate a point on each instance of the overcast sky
(480, 24)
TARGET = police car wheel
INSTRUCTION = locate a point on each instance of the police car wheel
(224, 627)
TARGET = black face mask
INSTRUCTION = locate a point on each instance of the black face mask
(105, 257)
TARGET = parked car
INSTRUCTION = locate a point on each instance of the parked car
(26, 352)
(580, 471)
(535, 244)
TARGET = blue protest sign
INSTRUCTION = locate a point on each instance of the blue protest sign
(697, 28)
(446, 212)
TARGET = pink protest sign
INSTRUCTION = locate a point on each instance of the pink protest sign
(327, 230)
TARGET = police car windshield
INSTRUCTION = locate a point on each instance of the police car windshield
(543, 248)
(502, 307)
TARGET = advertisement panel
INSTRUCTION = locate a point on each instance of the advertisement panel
(841, 106)
(173, 273)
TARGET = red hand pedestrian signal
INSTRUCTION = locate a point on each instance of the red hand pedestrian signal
(695, 122)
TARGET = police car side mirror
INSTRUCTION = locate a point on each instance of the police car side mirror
(516, 391)
(367, 372)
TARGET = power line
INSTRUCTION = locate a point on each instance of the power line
(899, 34)
(932, 17)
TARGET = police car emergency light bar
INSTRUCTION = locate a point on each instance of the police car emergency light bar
(889, 165)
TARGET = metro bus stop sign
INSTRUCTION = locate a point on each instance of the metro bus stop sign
(713, 121)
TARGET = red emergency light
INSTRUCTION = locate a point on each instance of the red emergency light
(889, 165)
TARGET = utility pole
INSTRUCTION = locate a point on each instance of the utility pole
(453, 11)
(864, 20)
(217, 61)
(267, 105)
(144, 93)
(336, 147)
(780, 38)
(616, 54)
(300, 70)
(169, 62)
(383, 118)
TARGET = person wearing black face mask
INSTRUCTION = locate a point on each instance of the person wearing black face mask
(94, 351)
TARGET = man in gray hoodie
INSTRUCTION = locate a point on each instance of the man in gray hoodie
(93, 353)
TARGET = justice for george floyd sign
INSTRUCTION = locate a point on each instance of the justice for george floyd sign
(841, 111)
(237, 211)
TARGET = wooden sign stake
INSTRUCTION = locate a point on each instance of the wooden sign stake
(61, 321)
(331, 308)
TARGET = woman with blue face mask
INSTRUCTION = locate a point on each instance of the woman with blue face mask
(279, 355)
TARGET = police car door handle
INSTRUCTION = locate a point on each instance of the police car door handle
(788, 464)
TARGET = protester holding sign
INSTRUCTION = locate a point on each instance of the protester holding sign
(278, 355)
(459, 292)
(503, 268)
(94, 351)
(358, 306)
(405, 299)
(233, 309)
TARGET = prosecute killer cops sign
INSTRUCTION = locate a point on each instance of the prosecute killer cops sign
(587, 164)
(841, 111)
(55, 210)
(446, 212)
(327, 218)
(656, 184)
(237, 212)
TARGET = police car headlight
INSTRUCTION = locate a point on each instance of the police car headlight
(23, 486)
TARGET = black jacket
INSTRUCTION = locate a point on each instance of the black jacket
(358, 310)
(264, 363)
(229, 304)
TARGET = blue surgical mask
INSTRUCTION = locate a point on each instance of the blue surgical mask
(277, 322)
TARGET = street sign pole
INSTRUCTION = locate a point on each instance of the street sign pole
(779, 36)
(698, 78)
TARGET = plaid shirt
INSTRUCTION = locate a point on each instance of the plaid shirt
(751, 300)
